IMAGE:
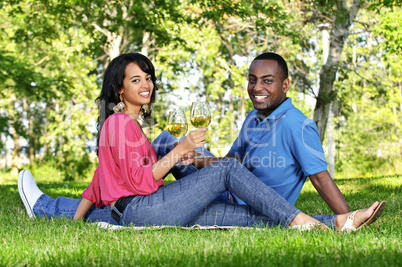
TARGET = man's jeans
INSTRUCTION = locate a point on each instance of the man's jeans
(190, 200)
(164, 143)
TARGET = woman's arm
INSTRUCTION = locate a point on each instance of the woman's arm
(192, 141)
(83, 208)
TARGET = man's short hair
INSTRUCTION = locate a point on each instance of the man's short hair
(281, 62)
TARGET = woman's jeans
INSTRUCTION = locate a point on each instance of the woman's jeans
(190, 201)
(180, 202)
(183, 202)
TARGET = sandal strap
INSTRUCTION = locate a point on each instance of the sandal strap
(348, 226)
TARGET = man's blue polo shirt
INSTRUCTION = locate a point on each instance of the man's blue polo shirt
(282, 150)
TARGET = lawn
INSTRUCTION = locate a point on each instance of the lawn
(55, 242)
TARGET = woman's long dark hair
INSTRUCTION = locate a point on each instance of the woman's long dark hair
(113, 82)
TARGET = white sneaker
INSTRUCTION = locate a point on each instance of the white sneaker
(29, 191)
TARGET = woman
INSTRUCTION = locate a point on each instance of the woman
(129, 177)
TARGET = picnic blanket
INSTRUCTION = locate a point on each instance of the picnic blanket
(108, 226)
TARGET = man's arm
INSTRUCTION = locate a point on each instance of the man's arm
(330, 192)
(204, 162)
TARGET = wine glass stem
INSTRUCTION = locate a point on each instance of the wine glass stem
(178, 141)
(202, 151)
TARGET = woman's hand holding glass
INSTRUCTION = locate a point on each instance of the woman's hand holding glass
(192, 141)
(177, 127)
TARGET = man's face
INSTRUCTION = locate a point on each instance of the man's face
(265, 86)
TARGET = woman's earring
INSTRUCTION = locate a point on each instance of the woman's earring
(120, 106)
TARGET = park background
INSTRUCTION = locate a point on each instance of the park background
(345, 54)
(343, 57)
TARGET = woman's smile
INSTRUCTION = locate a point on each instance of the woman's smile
(145, 94)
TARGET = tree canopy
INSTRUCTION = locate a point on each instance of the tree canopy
(343, 54)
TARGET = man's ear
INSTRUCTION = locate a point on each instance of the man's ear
(285, 85)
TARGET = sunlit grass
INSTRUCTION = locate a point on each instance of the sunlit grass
(38, 242)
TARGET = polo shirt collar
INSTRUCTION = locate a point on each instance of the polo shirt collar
(277, 113)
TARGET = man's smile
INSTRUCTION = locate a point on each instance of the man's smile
(260, 98)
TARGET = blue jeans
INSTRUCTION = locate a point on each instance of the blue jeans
(195, 207)
(187, 201)
(164, 143)
(65, 207)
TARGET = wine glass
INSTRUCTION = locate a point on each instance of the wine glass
(200, 117)
(177, 123)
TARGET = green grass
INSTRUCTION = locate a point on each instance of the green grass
(41, 242)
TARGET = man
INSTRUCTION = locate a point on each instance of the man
(277, 142)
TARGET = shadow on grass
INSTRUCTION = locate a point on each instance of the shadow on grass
(288, 256)
(360, 179)
(366, 190)
(358, 192)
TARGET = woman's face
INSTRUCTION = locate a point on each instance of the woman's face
(137, 88)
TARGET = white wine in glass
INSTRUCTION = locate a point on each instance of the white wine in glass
(177, 123)
(200, 117)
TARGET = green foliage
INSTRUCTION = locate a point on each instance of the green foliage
(376, 5)
(71, 167)
(389, 29)
(53, 55)
(47, 78)
(369, 90)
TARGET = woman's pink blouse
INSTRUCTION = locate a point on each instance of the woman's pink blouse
(125, 163)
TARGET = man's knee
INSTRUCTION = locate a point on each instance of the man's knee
(163, 144)
(164, 139)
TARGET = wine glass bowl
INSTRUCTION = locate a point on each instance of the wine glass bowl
(200, 121)
(200, 117)
(177, 123)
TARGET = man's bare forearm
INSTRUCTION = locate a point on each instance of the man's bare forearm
(204, 162)
(329, 192)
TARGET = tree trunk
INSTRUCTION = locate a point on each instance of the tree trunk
(242, 111)
(145, 43)
(331, 146)
(343, 21)
(115, 40)
(58, 142)
(31, 135)
(113, 47)
(330, 139)
(231, 109)
(31, 140)
(14, 135)
(219, 106)
(46, 146)
(16, 152)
